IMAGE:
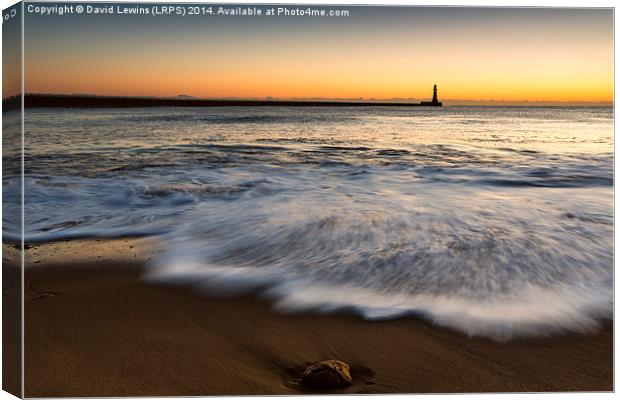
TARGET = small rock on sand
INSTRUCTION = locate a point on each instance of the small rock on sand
(329, 374)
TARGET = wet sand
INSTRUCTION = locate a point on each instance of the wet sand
(94, 327)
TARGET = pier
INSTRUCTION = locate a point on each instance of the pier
(49, 100)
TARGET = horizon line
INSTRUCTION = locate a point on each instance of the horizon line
(460, 101)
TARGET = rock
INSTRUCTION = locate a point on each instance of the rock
(329, 374)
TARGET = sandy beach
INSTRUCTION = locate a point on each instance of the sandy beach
(94, 327)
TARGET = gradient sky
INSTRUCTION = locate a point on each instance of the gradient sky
(378, 52)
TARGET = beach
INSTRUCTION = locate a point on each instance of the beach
(94, 326)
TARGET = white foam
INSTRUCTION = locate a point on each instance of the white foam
(535, 311)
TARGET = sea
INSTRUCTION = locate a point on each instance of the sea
(492, 221)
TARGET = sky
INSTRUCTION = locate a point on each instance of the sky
(501, 54)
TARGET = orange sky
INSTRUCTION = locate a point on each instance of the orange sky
(472, 54)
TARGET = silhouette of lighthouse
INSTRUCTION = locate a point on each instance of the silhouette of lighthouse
(434, 102)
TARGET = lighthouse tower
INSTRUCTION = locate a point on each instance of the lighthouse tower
(435, 102)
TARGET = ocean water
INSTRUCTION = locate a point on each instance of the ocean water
(493, 221)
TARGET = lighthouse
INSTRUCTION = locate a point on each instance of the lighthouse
(435, 102)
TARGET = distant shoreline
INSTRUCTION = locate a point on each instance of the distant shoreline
(35, 100)
(79, 101)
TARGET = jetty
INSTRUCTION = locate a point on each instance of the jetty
(50, 100)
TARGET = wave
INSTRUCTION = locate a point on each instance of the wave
(540, 312)
(437, 163)
(471, 271)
